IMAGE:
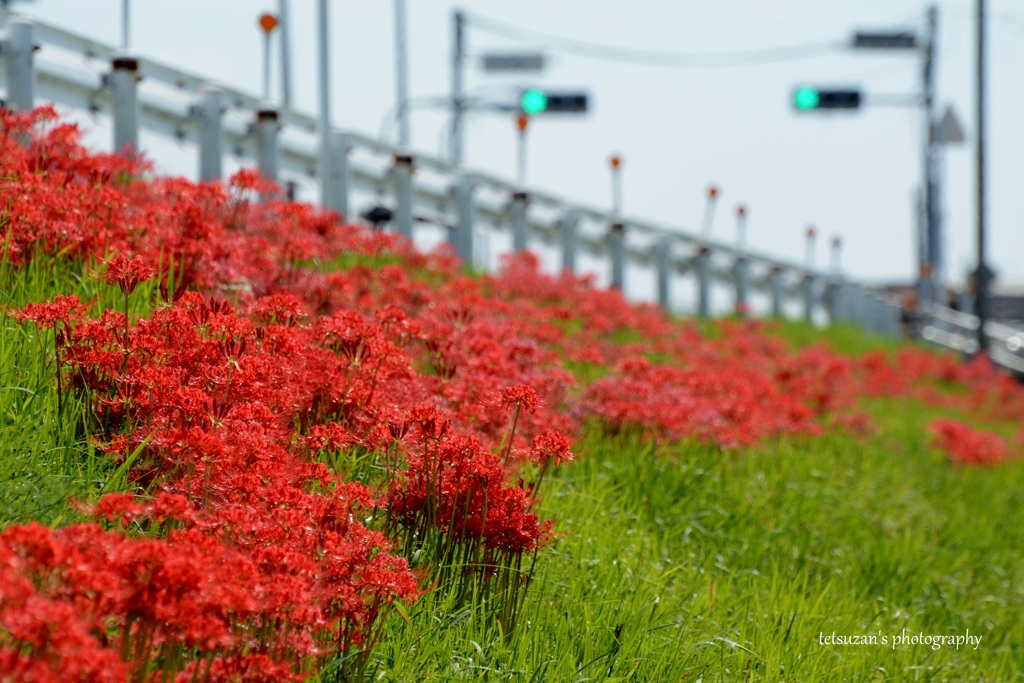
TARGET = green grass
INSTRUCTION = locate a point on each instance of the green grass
(46, 457)
(690, 564)
(844, 338)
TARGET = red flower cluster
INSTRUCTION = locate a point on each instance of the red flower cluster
(965, 445)
(127, 273)
(239, 414)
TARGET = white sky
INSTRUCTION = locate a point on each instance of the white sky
(678, 129)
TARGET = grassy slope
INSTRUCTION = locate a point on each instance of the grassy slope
(682, 563)
(679, 564)
(687, 564)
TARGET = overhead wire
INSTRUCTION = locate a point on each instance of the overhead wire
(652, 57)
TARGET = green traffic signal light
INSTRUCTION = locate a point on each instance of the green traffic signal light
(806, 98)
(533, 101)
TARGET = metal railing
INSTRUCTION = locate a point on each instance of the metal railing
(138, 93)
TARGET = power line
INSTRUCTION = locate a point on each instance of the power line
(652, 57)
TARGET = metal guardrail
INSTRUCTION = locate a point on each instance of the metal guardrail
(958, 331)
(138, 93)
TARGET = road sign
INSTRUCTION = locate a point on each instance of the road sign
(885, 40)
(950, 130)
(513, 61)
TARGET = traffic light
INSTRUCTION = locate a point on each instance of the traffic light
(542, 102)
(808, 98)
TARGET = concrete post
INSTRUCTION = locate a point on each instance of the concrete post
(834, 301)
(741, 273)
(663, 260)
(463, 237)
(617, 247)
(517, 211)
(266, 145)
(124, 81)
(775, 286)
(403, 194)
(336, 174)
(18, 48)
(211, 136)
(702, 263)
(568, 227)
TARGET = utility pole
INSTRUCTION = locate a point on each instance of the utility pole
(458, 103)
(286, 53)
(401, 75)
(930, 272)
(982, 275)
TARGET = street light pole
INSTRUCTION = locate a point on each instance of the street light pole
(401, 75)
(286, 53)
(458, 104)
(522, 123)
(327, 197)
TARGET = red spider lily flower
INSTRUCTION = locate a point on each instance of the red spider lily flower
(127, 273)
(521, 396)
(63, 309)
(550, 447)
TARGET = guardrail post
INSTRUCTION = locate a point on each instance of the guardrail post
(337, 174)
(808, 286)
(18, 48)
(568, 227)
(858, 306)
(403, 194)
(877, 315)
(463, 233)
(211, 135)
(124, 81)
(775, 286)
(703, 266)
(663, 260)
(835, 301)
(741, 273)
(517, 211)
(617, 246)
(266, 144)
(893, 320)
